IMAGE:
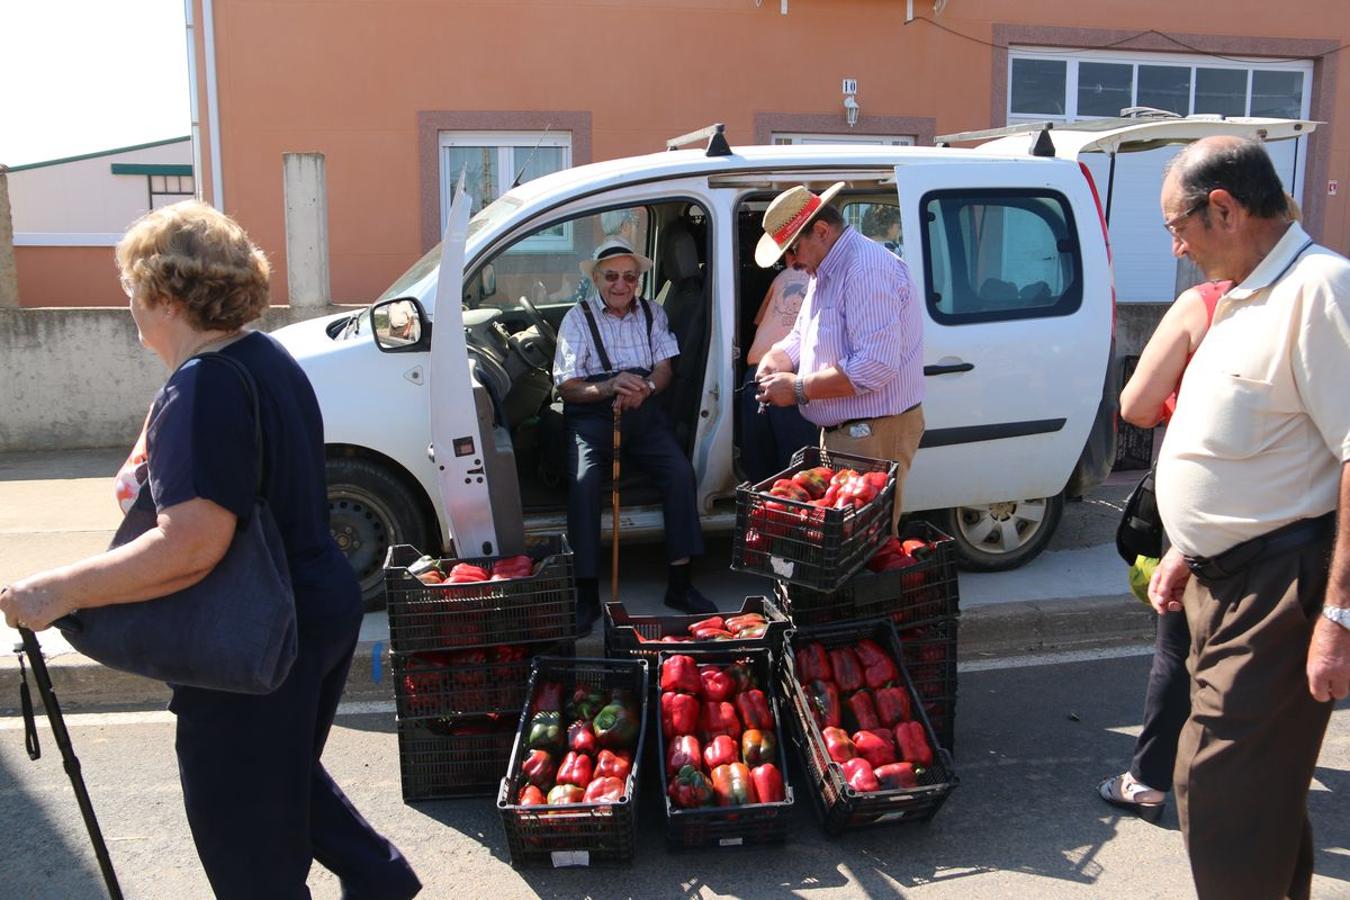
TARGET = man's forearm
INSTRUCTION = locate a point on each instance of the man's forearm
(828, 384)
(578, 390)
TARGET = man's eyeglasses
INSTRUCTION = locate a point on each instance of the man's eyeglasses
(628, 277)
(797, 243)
(1172, 224)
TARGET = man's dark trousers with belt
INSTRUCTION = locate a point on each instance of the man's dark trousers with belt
(649, 442)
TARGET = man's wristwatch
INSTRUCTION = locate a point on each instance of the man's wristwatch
(1338, 614)
(651, 385)
(799, 388)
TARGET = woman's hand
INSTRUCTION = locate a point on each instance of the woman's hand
(33, 603)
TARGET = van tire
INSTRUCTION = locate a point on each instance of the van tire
(369, 510)
(1017, 532)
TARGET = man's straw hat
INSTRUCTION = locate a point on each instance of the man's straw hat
(787, 215)
(610, 248)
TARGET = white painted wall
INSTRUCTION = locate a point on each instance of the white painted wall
(82, 203)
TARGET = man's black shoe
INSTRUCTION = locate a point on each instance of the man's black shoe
(688, 599)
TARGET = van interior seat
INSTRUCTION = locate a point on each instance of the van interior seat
(686, 306)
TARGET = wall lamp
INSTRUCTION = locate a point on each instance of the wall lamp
(851, 107)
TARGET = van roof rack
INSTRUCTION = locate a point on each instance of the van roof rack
(713, 134)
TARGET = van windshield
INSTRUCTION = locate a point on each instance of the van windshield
(489, 215)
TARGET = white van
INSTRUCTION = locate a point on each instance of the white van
(439, 411)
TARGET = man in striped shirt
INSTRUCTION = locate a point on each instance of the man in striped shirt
(853, 361)
(613, 358)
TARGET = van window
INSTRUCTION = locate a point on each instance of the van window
(878, 221)
(1000, 254)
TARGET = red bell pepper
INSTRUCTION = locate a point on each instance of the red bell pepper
(737, 624)
(683, 751)
(732, 785)
(863, 711)
(847, 669)
(757, 747)
(892, 705)
(813, 663)
(742, 676)
(679, 673)
(530, 795)
(897, 775)
(717, 684)
(753, 707)
(878, 668)
(720, 751)
(691, 788)
(539, 768)
(581, 737)
(757, 544)
(843, 476)
(547, 697)
(679, 714)
(575, 769)
(823, 698)
(513, 567)
(613, 765)
(913, 744)
(468, 572)
(604, 790)
(814, 481)
(873, 748)
(719, 717)
(715, 622)
(787, 488)
(859, 775)
(753, 632)
(564, 794)
(838, 745)
(877, 480)
(768, 782)
(885, 553)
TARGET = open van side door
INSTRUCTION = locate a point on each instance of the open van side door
(458, 446)
(1011, 266)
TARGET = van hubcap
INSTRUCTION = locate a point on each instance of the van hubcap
(363, 529)
(1001, 527)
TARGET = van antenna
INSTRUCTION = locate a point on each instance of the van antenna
(516, 181)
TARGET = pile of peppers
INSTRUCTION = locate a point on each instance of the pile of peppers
(579, 746)
(743, 626)
(865, 714)
(720, 735)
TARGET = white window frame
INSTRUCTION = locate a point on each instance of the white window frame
(507, 144)
(893, 140)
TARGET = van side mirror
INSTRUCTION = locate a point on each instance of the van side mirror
(400, 326)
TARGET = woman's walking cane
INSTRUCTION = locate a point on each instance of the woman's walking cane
(614, 510)
(33, 651)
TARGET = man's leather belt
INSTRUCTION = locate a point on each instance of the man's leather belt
(833, 428)
(1287, 537)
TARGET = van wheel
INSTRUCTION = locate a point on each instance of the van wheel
(1004, 535)
(369, 510)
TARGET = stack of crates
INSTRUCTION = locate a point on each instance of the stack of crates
(461, 662)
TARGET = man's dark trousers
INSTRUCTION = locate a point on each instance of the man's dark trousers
(649, 442)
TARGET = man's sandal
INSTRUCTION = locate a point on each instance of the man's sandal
(1123, 791)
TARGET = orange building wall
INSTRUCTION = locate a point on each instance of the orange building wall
(348, 78)
(68, 276)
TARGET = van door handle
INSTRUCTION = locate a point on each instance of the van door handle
(945, 369)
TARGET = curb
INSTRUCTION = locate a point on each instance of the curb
(987, 632)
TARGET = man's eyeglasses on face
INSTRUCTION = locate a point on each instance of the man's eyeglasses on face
(628, 277)
(794, 247)
(1173, 225)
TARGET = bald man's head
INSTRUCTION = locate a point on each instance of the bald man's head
(1239, 166)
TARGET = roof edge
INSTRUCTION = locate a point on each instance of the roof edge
(96, 154)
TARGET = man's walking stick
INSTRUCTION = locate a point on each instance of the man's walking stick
(33, 651)
(614, 509)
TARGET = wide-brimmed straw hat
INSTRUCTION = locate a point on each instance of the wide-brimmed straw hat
(787, 215)
(610, 248)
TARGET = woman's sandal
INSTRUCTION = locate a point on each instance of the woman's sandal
(1123, 791)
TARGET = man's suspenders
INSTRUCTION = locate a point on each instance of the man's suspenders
(600, 345)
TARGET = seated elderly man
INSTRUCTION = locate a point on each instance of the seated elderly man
(614, 352)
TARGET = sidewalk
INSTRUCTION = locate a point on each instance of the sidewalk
(55, 508)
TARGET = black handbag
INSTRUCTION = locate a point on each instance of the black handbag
(1140, 532)
(235, 630)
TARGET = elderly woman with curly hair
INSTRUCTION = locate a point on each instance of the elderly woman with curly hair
(259, 803)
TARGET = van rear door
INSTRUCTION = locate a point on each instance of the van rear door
(1012, 268)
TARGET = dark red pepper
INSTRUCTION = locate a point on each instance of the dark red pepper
(679, 673)
(897, 775)
(847, 670)
(878, 668)
(547, 697)
(753, 707)
(717, 685)
(757, 747)
(768, 782)
(732, 785)
(530, 795)
(859, 775)
(823, 698)
(716, 623)
(719, 717)
(539, 768)
(813, 664)
(720, 751)
(683, 751)
(838, 745)
(874, 748)
(741, 676)
(679, 714)
(691, 788)
(913, 744)
(863, 711)
(613, 765)
(575, 769)
(581, 737)
(604, 790)
(892, 705)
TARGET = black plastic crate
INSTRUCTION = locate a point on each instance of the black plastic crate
(925, 592)
(542, 607)
(473, 681)
(824, 550)
(639, 637)
(930, 659)
(442, 758)
(1134, 445)
(839, 806)
(579, 834)
(731, 826)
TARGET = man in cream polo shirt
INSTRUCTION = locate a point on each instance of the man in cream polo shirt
(1252, 481)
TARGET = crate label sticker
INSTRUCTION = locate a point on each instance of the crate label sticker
(782, 567)
(890, 817)
(730, 842)
(563, 859)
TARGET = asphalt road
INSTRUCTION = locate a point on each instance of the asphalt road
(1033, 741)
